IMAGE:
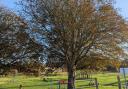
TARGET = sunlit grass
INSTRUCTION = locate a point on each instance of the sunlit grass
(105, 80)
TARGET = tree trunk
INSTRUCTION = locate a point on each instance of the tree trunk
(71, 77)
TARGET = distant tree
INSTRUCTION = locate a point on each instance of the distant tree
(94, 62)
(15, 42)
(73, 29)
(116, 64)
(9, 26)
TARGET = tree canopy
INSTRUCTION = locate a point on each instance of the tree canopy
(73, 29)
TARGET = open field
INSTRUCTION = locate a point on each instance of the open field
(106, 81)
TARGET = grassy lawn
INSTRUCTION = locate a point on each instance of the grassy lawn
(106, 81)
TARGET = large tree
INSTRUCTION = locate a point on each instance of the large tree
(73, 29)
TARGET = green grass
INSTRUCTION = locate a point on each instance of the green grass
(106, 81)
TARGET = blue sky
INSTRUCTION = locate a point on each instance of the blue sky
(8, 3)
(122, 6)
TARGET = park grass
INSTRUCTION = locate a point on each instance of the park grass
(105, 80)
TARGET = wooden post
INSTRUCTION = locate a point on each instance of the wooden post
(51, 84)
(119, 82)
(59, 84)
(96, 82)
(20, 87)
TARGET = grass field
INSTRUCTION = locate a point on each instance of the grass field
(106, 81)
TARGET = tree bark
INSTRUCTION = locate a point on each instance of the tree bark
(71, 77)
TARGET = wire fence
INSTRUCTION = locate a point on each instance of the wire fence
(52, 84)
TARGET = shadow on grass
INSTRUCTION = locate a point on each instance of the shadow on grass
(43, 85)
(113, 84)
(84, 86)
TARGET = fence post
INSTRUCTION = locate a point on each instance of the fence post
(20, 87)
(51, 84)
(59, 84)
(96, 82)
(119, 82)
